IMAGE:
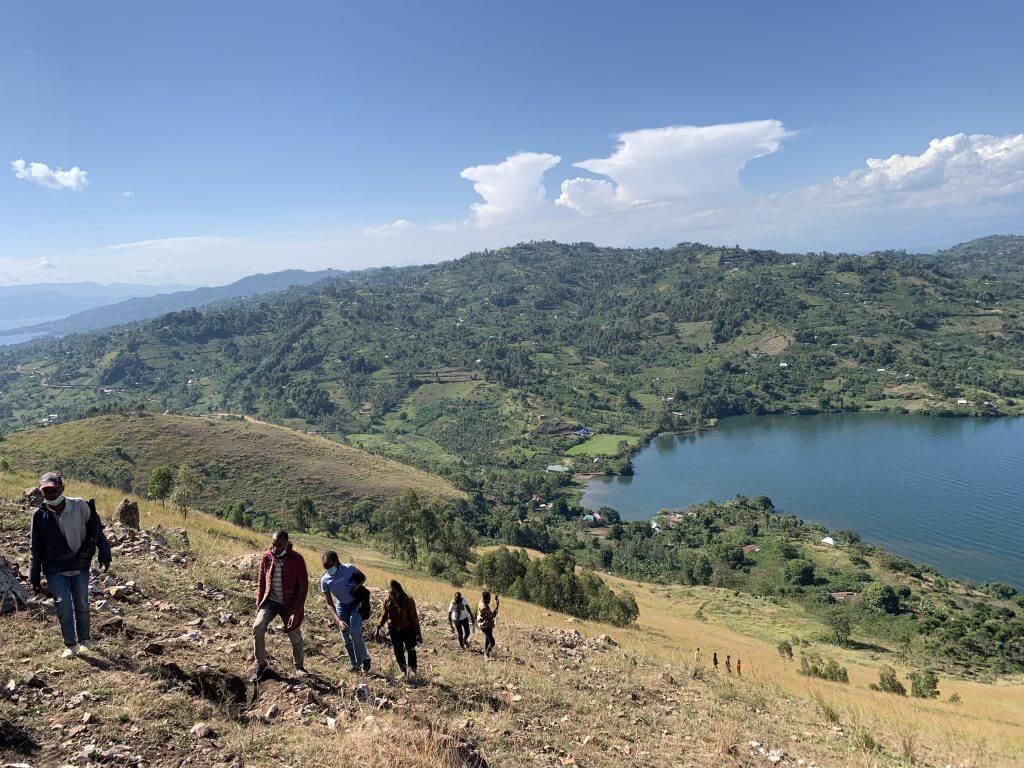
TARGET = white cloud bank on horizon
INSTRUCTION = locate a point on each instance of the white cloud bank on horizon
(666, 185)
(74, 179)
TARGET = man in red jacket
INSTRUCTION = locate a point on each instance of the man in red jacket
(280, 591)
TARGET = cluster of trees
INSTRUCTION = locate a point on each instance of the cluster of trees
(182, 487)
(553, 581)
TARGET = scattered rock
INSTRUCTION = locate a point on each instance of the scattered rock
(201, 731)
(128, 514)
(272, 712)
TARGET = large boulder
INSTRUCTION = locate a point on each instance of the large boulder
(128, 514)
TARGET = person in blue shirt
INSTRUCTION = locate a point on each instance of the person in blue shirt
(339, 586)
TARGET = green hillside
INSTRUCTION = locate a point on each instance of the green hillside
(997, 256)
(265, 465)
(494, 360)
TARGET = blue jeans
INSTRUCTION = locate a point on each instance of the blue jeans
(353, 636)
(71, 594)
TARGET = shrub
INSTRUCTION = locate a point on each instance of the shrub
(924, 684)
(798, 572)
(813, 665)
(785, 650)
(888, 682)
(880, 597)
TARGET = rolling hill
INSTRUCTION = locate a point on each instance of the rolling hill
(62, 299)
(142, 307)
(265, 465)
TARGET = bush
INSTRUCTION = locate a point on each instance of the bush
(785, 650)
(888, 682)
(798, 572)
(880, 597)
(552, 581)
(924, 684)
(812, 665)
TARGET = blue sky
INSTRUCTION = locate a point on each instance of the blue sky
(198, 142)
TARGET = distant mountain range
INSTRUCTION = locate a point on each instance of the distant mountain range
(105, 314)
(997, 256)
(21, 302)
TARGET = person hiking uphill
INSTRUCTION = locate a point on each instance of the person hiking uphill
(714, 660)
(459, 617)
(280, 591)
(399, 613)
(66, 533)
(343, 592)
(485, 620)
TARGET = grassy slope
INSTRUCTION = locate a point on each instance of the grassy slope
(266, 464)
(525, 708)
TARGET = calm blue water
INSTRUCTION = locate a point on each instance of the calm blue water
(947, 492)
(17, 338)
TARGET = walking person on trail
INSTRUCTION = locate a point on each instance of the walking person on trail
(697, 657)
(739, 667)
(485, 620)
(728, 664)
(66, 534)
(280, 591)
(459, 617)
(399, 613)
(343, 591)
(714, 660)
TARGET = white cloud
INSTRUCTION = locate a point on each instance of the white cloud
(398, 225)
(128, 194)
(960, 170)
(681, 165)
(46, 265)
(511, 188)
(74, 179)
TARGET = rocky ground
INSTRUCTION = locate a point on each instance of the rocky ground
(166, 685)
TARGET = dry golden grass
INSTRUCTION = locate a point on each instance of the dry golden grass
(711, 719)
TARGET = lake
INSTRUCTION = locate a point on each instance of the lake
(946, 492)
(17, 338)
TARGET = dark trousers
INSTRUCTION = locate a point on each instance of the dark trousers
(488, 639)
(404, 642)
(462, 627)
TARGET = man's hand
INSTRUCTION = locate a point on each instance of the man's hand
(105, 567)
(293, 621)
(343, 625)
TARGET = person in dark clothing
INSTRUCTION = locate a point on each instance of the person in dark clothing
(459, 618)
(399, 613)
(728, 664)
(281, 590)
(66, 534)
(714, 660)
(485, 620)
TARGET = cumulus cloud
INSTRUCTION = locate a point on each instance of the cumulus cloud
(511, 188)
(956, 170)
(681, 165)
(398, 225)
(46, 265)
(74, 179)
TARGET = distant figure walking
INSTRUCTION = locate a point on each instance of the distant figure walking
(459, 618)
(485, 620)
(66, 533)
(739, 667)
(281, 590)
(714, 660)
(399, 613)
(348, 602)
(697, 657)
(728, 664)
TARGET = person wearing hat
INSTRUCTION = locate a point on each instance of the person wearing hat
(66, 534)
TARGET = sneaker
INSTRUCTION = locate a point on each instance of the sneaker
(69, 653)
(301, 672)
(355, 668)
(366, 665)
(86, 647)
